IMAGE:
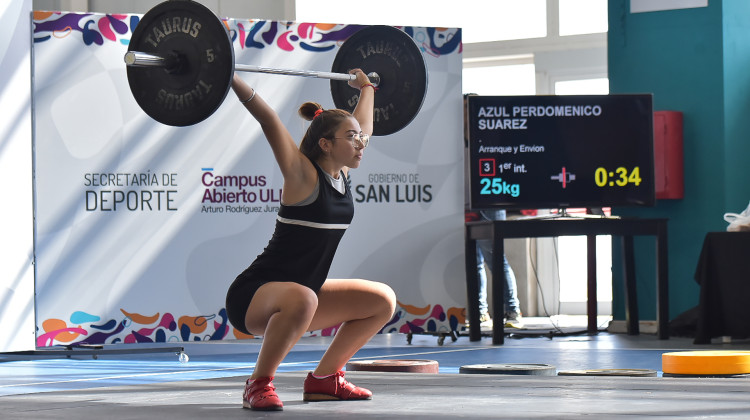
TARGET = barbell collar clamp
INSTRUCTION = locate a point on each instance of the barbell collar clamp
(143, 59)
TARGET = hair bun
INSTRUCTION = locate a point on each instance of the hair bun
(308, 110)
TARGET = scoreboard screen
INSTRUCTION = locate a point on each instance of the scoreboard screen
(536, 152)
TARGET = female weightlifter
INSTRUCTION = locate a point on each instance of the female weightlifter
(285, 292)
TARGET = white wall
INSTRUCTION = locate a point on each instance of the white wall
(16, 210)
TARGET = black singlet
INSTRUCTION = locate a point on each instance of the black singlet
(301, 249)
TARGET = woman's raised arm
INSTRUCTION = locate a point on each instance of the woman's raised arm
(293, 165)
(363, 112)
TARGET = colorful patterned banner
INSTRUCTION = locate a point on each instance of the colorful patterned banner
(137, 236)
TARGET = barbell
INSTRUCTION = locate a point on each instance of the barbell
(180, 64)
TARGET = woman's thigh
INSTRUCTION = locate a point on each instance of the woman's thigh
(341, 300)
(294, 299)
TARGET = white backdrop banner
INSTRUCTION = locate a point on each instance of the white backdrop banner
(136, 241)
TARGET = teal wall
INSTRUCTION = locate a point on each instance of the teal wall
(736, 45)
(695, 61)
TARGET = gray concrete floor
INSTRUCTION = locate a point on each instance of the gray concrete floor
(405, 395)
(210, 385)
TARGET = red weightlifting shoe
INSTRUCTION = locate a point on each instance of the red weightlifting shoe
(260, 394)
(332, 388)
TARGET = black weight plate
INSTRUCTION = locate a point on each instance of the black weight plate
(510, 369)
(193, 92)
(395, 56)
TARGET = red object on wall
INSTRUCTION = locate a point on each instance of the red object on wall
(668, 158)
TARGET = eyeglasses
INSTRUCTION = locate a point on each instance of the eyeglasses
(361, 138)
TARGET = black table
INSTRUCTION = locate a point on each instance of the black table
(498, 230)
(723, 273)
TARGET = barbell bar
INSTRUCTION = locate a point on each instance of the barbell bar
(180, 64)
(374, 77)
(142, 59)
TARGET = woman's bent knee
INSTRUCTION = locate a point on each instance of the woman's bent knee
(387, 298)
(392, 302)
(292, 301)
(301, 304)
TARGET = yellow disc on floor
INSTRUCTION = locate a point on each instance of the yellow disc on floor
(709, 362)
